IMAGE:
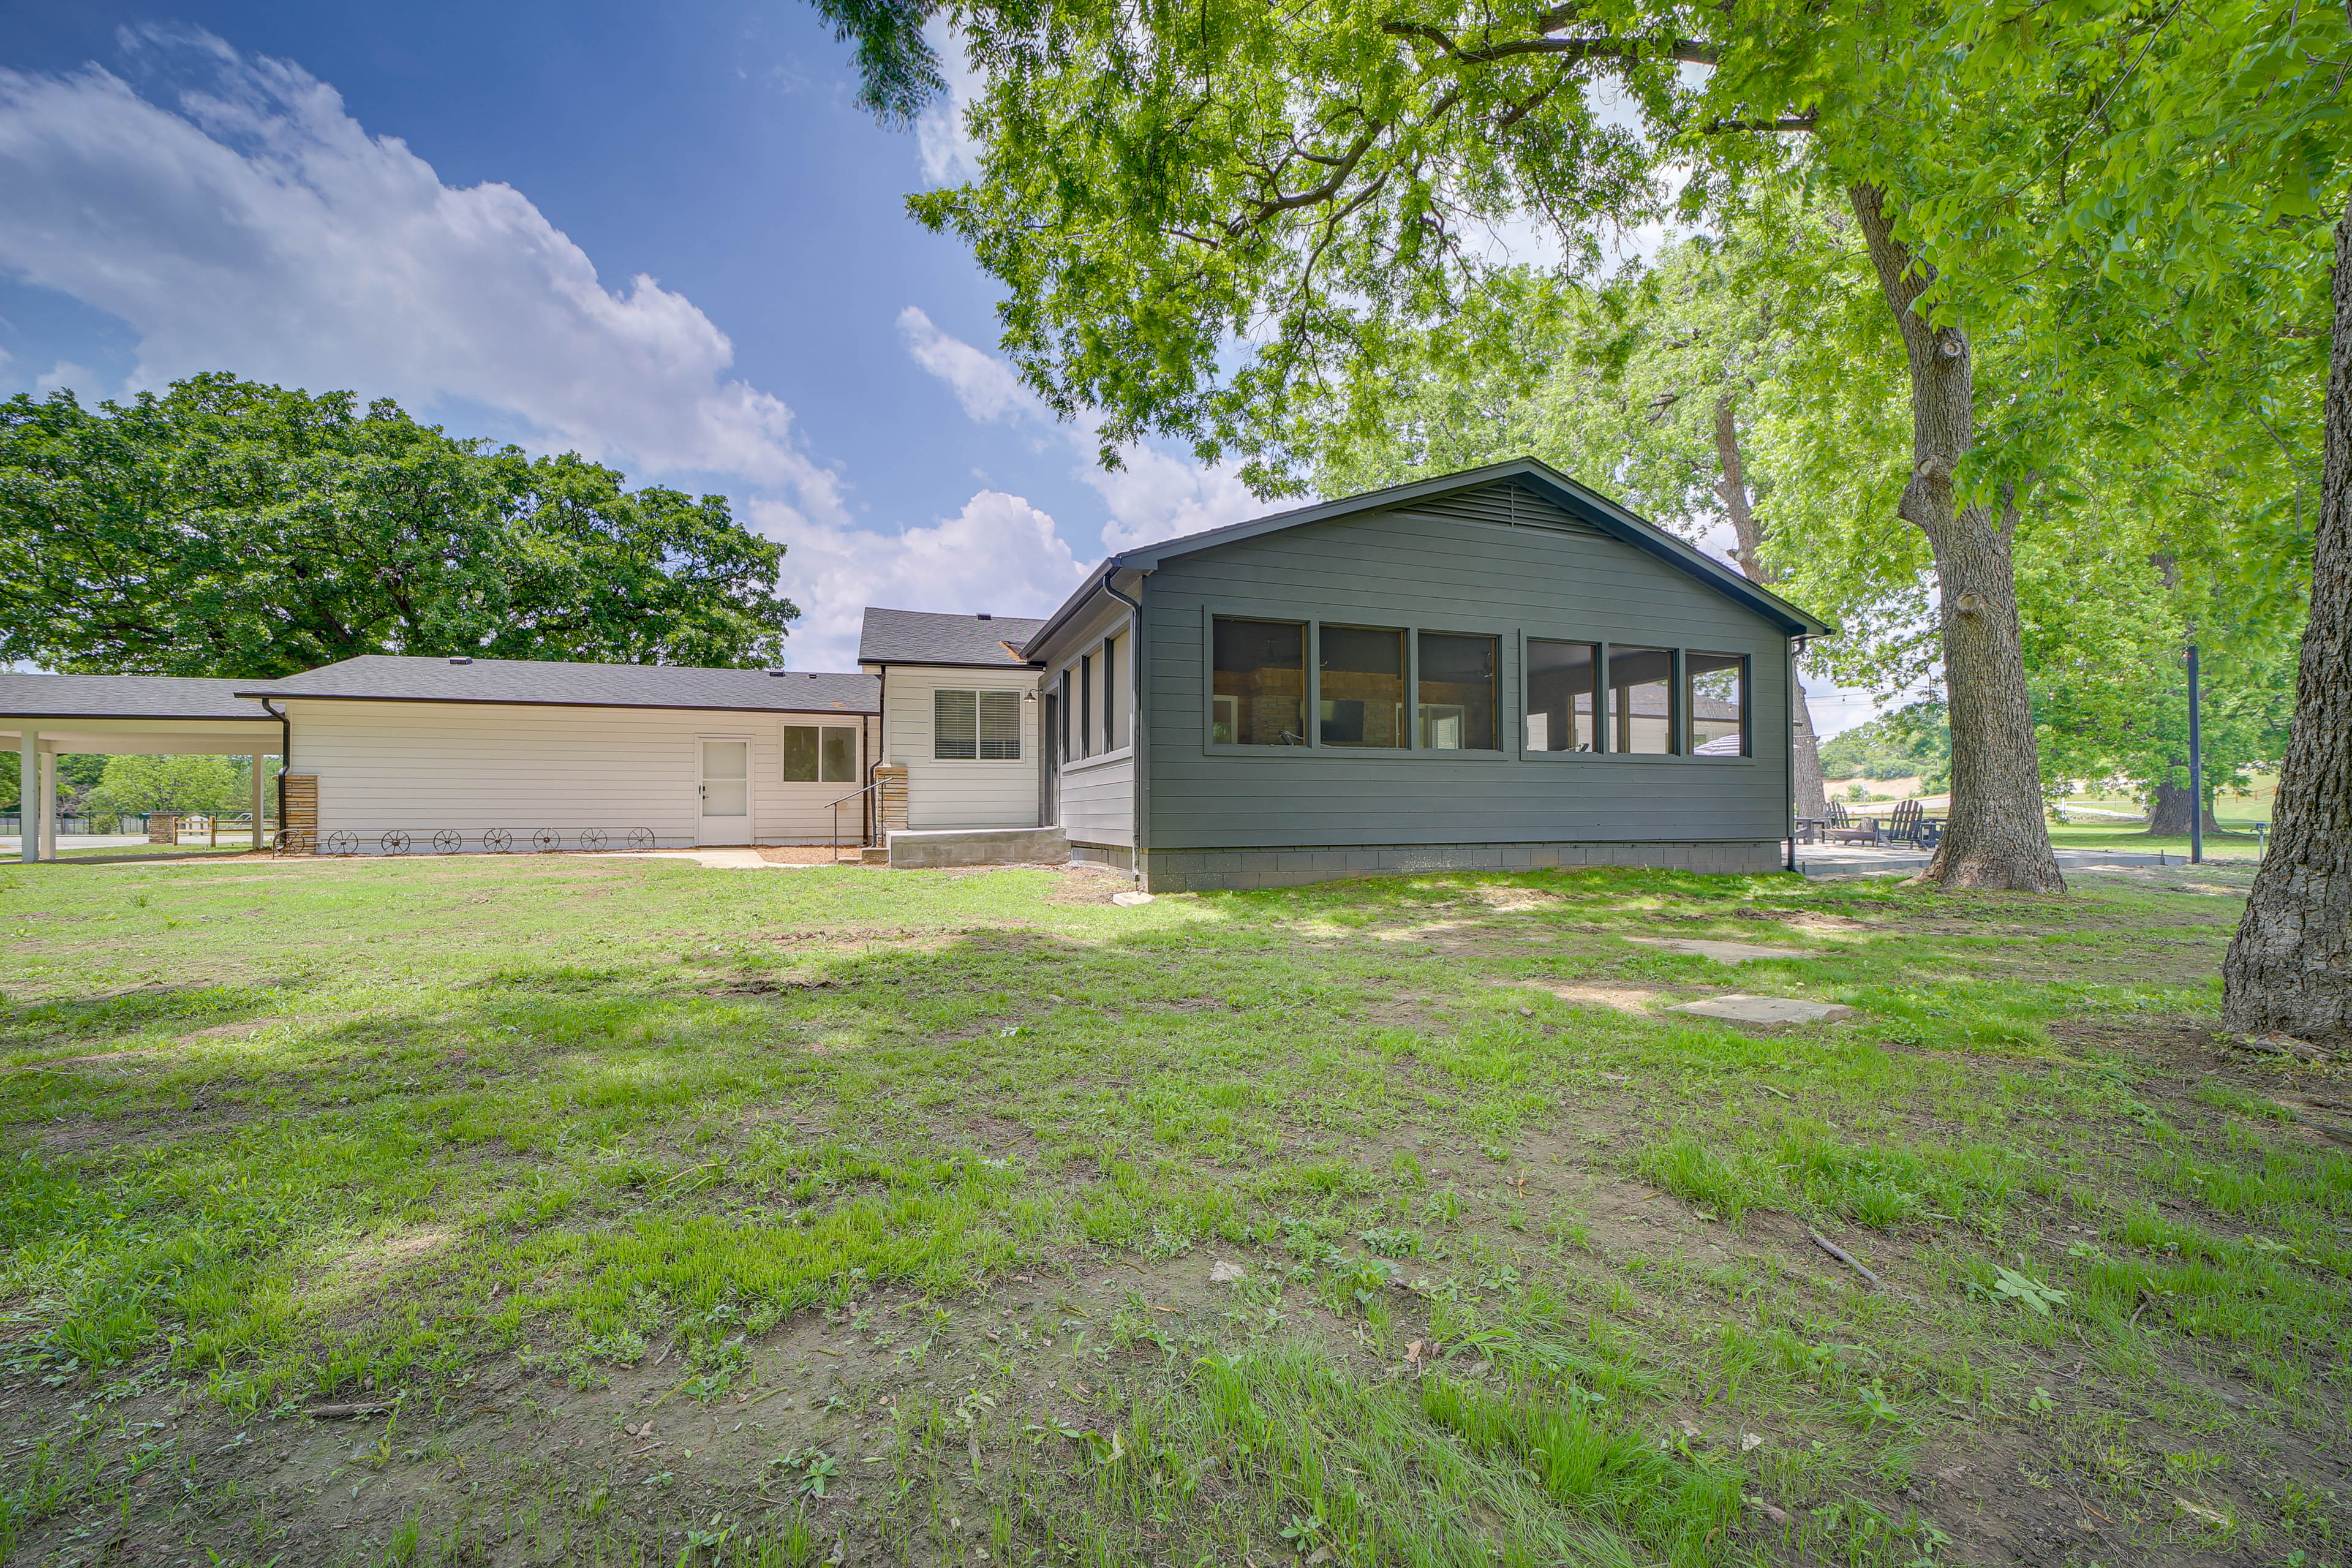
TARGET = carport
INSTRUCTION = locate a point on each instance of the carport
(45, 716)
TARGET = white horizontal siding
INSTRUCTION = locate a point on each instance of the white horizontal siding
(469, 767)
(1099, 801)
(958, 794)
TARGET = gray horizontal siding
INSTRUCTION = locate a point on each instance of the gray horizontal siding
(1453, 573)
(1099, 802)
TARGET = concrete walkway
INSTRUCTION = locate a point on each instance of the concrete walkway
(716, 860)
(1884, 860)
(12, 845)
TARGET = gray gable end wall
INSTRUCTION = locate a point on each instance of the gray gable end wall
(1501, 559)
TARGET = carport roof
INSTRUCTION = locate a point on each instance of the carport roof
(125, 697)
(388, 677)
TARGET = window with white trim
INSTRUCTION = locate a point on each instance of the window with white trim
(975, 726)
(819, 754)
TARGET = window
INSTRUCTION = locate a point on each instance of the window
(816, 753)
(1457, 693)
(1715, 695)
(1362, 675)
(976, 725)
(1561, 695)
(1062, 718)
(1087, 705)
(1641, 700)
(1259, 696)
(1110, 694)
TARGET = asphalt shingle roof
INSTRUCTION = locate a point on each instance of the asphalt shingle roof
(385, 677)
(125, 697)
(920, 636)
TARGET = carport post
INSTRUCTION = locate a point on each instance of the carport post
(256, 805)
(48, 805)
(28, 797)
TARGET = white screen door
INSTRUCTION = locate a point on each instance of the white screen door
(726, 792)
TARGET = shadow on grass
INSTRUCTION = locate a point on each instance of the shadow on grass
(42, 1025)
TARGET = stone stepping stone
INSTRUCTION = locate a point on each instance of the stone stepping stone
(1765, 1012)
(1723, 952)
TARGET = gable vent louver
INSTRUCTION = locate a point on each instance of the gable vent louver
(1504, 506)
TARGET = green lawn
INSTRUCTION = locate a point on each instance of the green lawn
(562, 1209)
(2236, 841)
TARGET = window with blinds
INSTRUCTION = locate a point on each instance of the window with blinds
(976, 726)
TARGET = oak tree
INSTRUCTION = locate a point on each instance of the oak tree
(225, 526)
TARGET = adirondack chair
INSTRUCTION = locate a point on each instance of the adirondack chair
(1910, 824)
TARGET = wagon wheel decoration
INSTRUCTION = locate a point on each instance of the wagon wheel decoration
(395, 842)
(641, 837)
(547, 839)
(448, 841)
(592, 838)
(341, 841)
(498, 840)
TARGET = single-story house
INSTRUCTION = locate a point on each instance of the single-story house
(384, 753)
(1494, 669)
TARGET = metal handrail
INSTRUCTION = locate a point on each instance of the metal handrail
(835, 807)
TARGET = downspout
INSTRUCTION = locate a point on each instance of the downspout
(873, 753)
(1136, 747)
(1789, 749)
(285, 756)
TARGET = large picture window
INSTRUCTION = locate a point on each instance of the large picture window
(1457, 692)
(984, 726)
(1362, 696)
(1715, 687)
(1259, 698)
(1641, 700)
(1563, 696)
(819, 754)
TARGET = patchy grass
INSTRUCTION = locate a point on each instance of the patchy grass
(588, 1210)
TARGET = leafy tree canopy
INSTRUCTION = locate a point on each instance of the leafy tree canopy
(149, 783)
(230, 527)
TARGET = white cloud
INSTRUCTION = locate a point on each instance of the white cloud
(986, 387)
(999, 554)
(1154, 494)
(254, 224)
(949, 155)
(81, 379)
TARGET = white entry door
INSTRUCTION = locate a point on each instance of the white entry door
(726, 792)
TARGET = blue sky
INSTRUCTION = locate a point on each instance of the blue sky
(664, 236)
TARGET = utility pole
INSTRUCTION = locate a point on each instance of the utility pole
(2196, 770)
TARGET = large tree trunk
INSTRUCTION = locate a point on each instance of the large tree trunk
(1995, 836)
(1811, 793)
(2169, 814)
(1731, 487)
(2290, 967)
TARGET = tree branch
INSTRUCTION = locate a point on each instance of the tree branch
(1805, 121)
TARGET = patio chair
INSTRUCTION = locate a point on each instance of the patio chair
(1903, 826)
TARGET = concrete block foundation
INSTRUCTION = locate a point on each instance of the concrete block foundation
(1200, 870)
(932, 847)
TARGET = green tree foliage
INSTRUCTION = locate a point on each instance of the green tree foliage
(230, 527)
(1898, 746)
(77, 775)
(149, 783)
